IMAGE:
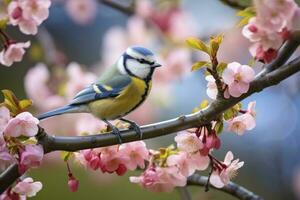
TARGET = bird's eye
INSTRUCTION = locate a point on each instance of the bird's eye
(141, 60)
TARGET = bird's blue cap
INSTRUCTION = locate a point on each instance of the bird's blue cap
(142, 50)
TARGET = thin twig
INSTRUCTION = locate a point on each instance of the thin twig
(236, 4)
(129, 10)
(231, 188)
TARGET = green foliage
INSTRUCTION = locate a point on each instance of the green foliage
(198, 65)
(198, 45)
(14, 105)
(219, 127)
(232, 112)
(246, 14)
(221, 67)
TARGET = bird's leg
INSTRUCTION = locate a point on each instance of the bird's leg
(115, 130)
(134, 126)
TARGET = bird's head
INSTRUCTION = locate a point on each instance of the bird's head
(138, 61)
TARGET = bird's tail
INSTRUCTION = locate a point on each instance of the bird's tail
(59, 111)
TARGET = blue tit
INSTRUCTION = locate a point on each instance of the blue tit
(119, 91)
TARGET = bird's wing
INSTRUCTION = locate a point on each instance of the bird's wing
(97, 91)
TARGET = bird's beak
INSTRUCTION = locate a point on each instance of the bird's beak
(156, 65)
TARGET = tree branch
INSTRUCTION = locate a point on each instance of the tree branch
(236, 4)
(231, 188)
(128, 10)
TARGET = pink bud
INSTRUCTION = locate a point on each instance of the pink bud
(73, 184)
(121, 170)
(16, 13)
(252, 28)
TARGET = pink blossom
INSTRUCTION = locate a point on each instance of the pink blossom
(89, 158)
(220, 178)
(188, 142)
(260, 54)
(13, 53)
(31, 156)
(275, 15)
(28, 14)
(27, 187)
(255, 33)
(112, 160)
(241, 123)
(238, 78)
(4, 118)
(158, 179)
(23, 124)
(188, 164)
(212, 89)
(136, 153)
(73, 184)
(37, 10)
(81, 11)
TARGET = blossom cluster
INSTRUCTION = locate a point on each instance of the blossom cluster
(270, 27)
(169, 168)
(18, 145)
(24, 188)
(27, 15)
(117, 158)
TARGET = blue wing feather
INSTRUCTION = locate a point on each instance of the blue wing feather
(116, 85)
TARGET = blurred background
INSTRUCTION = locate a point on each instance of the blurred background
(81, 38)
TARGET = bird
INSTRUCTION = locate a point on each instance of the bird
(121, 89)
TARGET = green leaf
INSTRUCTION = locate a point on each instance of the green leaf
(215, 43)
(204, 104)
(198, 44)
(65, 155)
(198, 65)
(246, 15)
(219, 127)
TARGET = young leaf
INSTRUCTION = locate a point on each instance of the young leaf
(204, 104)
(215, 44)
(198, 44)
(246, 15)
(219, 127)
(221, 67)
(200, 64)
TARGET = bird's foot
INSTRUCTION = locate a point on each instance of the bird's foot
(115, 131)
(134, 126)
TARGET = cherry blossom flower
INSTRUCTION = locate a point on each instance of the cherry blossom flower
(4, 119)
(251, 108)
(212, 89)
(188, 164)
(188, 142)
(23, 124)
(13, 53)
(112, 160)
(28, 14)
(136, 153)
(31, 156)
(210, 141)
(38, 10)
(81, 11)
(241, 123)
(27, 187)
(220, 178)
(158, 179)
(238, 78)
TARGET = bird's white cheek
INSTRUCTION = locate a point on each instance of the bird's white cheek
(138, 69)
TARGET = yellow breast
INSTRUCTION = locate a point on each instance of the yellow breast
(130, 98)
